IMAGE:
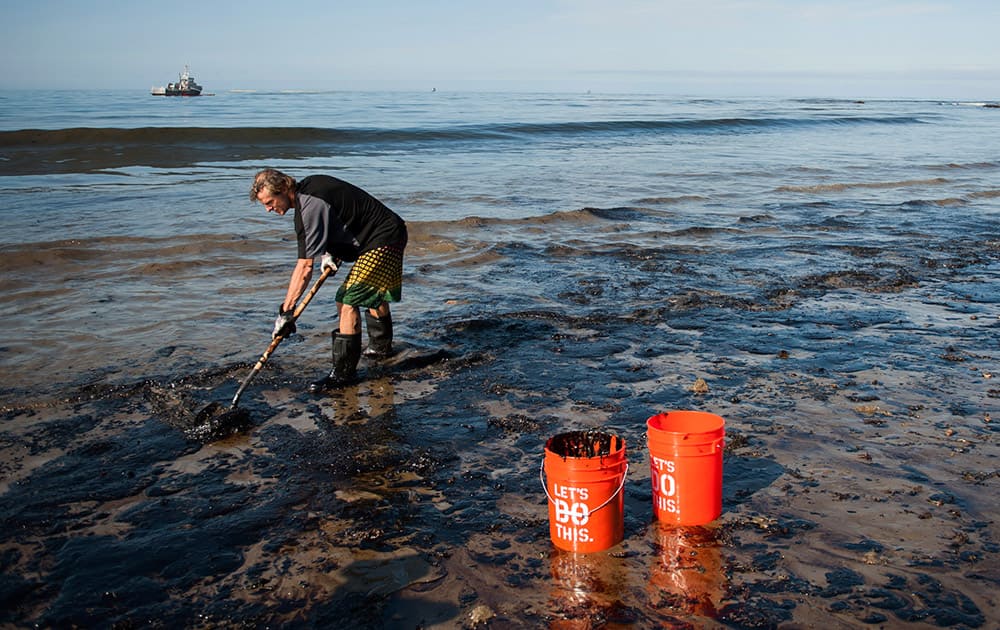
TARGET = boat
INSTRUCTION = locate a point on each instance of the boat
(185, 86)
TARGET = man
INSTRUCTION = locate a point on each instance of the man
(337, 221)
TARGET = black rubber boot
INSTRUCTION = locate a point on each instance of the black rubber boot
(346, 354)
(379, 336)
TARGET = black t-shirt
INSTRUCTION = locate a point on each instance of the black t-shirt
(334, 216)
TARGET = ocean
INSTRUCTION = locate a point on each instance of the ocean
(828, 267)
(123, 197)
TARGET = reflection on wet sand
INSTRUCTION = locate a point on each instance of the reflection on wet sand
(682, 581)
(355, 405)
(587, 589)
(687, 576)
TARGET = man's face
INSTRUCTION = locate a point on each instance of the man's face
(279, 203)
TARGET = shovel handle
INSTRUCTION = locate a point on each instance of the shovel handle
(327, 272)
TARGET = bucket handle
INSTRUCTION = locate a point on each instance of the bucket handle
(545, 487)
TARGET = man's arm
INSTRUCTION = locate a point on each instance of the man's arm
(298, 282)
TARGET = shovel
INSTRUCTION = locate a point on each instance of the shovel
(215, 414)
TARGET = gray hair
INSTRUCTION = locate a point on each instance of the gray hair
(273, 180)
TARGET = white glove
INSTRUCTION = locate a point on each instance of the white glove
(329, 262)
(284, 324)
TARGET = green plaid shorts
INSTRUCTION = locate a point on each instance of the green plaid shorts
(376, 277)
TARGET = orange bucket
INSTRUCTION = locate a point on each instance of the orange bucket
(583, 474)
(685, 461)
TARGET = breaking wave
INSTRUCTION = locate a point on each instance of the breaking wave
(87, 149)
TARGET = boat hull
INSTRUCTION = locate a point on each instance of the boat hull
(176, 93)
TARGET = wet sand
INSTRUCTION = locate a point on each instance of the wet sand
(860, 467)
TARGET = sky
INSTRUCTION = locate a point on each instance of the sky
(833, 48)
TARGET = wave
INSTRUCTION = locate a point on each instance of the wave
(199, 136)
(68, 254)
(985, 194)
(694, 125)
(671, 200)
(87, 149)
(840, 187)
(971, 166)
(955, 201)
(21, 260)
(581, 217)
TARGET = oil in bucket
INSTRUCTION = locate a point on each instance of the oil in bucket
(685, 459)
(583, 474)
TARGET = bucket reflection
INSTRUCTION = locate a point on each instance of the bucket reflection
(688, 577)
(586, 588)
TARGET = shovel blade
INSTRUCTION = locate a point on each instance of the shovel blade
(216, 421)
(208, 412)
